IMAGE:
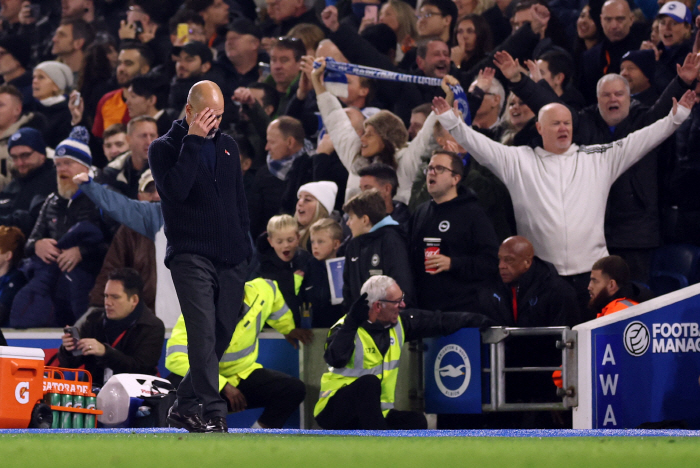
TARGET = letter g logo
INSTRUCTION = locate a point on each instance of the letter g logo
(22, 392)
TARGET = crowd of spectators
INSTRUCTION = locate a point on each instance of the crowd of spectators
(373, 174)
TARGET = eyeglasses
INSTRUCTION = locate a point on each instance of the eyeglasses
(428, 15)
(394, 302)
(437, 170)
(22, 156)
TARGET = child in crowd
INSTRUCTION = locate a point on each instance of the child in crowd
(283, 261)
(377, 247)
(326, 235)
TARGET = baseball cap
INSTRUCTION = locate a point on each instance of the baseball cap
(195, 48)
(677, 11)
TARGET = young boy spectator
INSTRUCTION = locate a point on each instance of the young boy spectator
(326, 236)
(377, 247)
(283, 261)
(114, 142)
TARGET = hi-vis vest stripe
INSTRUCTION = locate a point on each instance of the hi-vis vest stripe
(263, 302)
(366, 360)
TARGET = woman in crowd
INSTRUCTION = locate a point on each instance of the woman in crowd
(588, 31)
(310, 34)
(316, 200)
(473, 36)
(383, 140)
(401, 18)
(51, 80)
(517, 117)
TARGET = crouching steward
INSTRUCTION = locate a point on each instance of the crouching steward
(243, 382)
(363, 351)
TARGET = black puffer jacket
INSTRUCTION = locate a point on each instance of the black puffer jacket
(58, 215)
(543, 299)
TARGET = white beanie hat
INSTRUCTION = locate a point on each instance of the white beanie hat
(60, 74)
(324, 191)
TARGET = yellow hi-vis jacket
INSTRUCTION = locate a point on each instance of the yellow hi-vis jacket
(366, 360)
(262, 303)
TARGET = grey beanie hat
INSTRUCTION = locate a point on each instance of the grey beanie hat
(60, 74)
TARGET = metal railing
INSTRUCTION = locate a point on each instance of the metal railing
(496, 338)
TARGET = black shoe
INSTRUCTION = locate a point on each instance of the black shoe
(191, 422)
(217, 424)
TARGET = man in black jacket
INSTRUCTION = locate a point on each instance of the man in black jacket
(34, 178)
(453, 244)
(530, 292)
(353, 395)
(123, 337)
(197, 171)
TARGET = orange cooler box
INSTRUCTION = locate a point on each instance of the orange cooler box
(21, 385)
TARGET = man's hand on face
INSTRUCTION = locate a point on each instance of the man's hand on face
(202, 123)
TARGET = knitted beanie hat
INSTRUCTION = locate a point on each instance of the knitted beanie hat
(644, 59)
(76, 147)
(389, 127)
(324, 191)
(60, 74)
(27, 136)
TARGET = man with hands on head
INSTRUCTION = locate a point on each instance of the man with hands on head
(198, 175)
(563, 218)
(123, 337)
(363, 350)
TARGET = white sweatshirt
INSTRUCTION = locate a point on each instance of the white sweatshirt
(559, 199)
(347, 145)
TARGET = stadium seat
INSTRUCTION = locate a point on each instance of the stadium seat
(674, 267)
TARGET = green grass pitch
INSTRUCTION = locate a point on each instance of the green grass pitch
(261, 450)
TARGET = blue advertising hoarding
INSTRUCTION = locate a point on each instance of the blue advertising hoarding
(645, 368)
(453, 373)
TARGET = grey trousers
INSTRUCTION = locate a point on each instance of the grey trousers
(210, 298)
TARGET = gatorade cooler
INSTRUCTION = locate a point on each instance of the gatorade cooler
(21, 385)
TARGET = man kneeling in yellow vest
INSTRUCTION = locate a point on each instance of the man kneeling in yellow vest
(243, 382)
(363, 350)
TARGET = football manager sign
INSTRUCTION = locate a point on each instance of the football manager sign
(642, 364)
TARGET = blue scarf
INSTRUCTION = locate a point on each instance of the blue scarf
(336, 81)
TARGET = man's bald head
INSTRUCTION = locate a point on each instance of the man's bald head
(555, 125)
(617, 18)
(203, 95)
(514, 258)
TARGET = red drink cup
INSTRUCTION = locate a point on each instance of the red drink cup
(432, 248)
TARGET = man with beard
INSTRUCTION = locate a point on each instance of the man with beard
(66, 246)
(611, 289)
(34, 178)
(134, 60)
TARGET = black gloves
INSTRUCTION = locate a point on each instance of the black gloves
(359, 311)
